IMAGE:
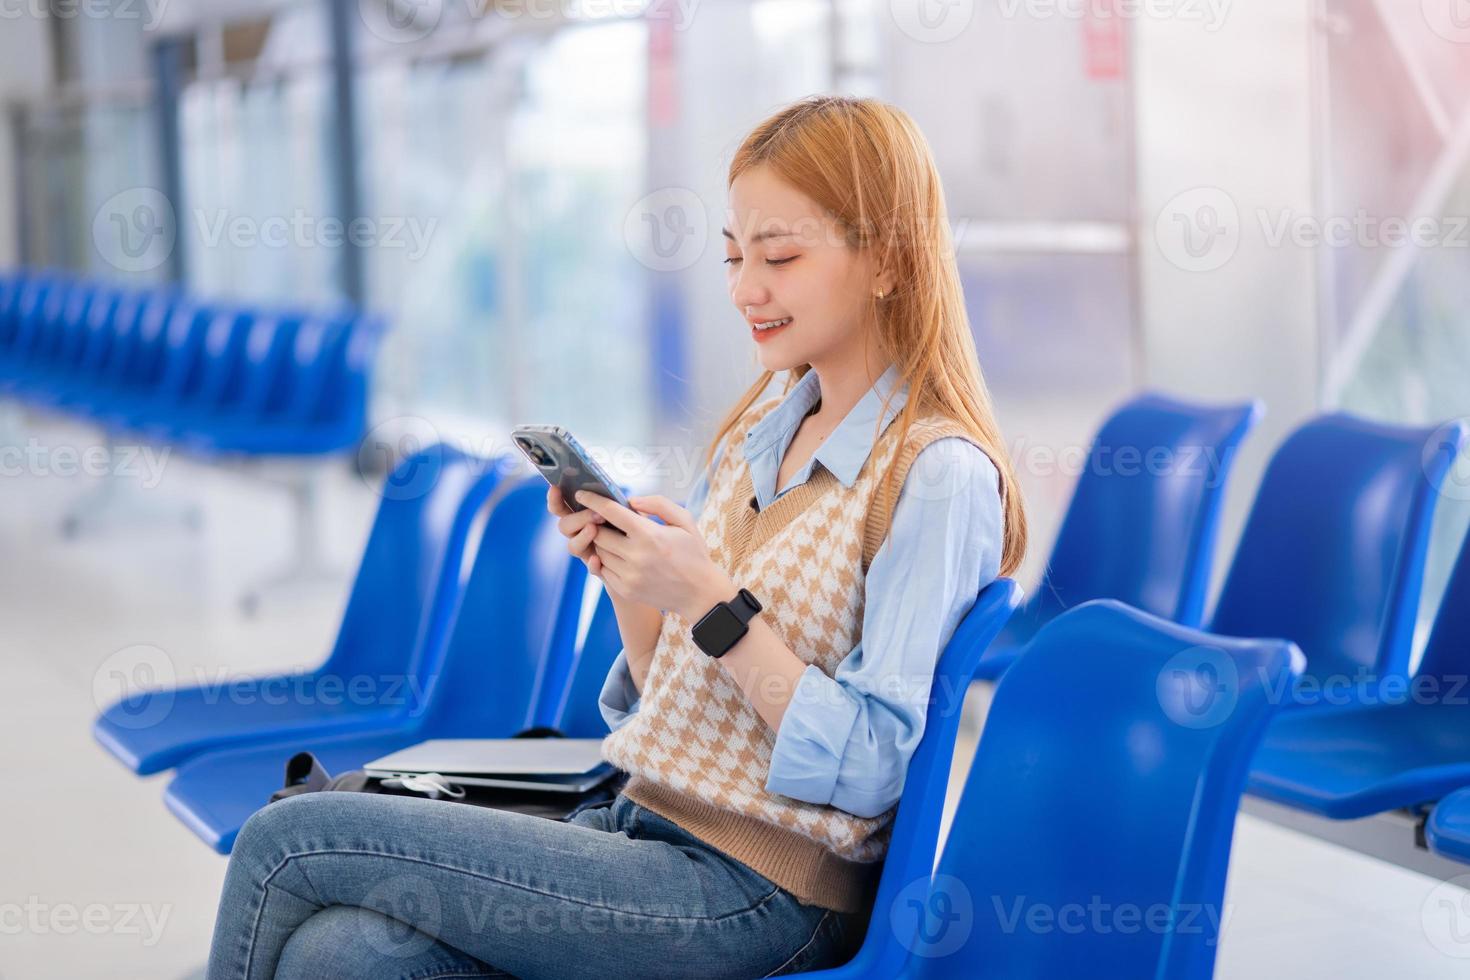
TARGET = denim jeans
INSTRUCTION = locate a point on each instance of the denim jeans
(364, 885)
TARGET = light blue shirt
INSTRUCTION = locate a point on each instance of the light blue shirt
(846, 740)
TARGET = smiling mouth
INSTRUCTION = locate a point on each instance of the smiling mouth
(772, 324)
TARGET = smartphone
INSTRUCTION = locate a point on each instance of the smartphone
(561, 459)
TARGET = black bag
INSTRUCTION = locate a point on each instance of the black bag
(305, 774)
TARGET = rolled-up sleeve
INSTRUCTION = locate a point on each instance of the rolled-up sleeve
(620, 699)
(846, 740)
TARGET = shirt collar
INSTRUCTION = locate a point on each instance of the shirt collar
(847, 448)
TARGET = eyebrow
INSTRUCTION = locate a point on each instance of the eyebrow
(759, 236)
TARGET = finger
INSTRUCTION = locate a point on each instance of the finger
(611, 542)
(554, 501)
(665, 508)
(576, 520)
(616, 514)
(579, 543)
(613, 580)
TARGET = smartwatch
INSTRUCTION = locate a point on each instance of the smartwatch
(723, 626)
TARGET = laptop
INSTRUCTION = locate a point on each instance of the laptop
(558, 765)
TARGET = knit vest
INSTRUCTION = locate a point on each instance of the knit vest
(697, 752)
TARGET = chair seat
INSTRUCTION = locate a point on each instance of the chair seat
(200, 719)
(215, 794)
(1448, 829)
(1361, 761)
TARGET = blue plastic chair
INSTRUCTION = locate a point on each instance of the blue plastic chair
(915, 833)
(1138, 531)
(180, 374)
(1345, 509)
(405, 588)
(1407, 752)
(514, 626)
(1332, 555)
(1108, 776)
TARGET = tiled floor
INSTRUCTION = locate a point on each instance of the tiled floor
(97, 880)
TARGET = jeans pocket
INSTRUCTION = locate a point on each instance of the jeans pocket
(818, 951)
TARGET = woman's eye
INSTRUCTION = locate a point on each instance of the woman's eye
(780, 261)
(730, 260)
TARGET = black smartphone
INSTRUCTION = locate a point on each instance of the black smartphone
(560, 458)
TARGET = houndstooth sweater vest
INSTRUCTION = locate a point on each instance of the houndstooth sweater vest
(696, 750)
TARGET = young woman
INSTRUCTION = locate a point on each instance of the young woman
(861, 509)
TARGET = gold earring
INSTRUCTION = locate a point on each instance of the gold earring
(880, 294)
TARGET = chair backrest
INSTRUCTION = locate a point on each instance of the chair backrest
(514, 625)
(1332, 555)
(915, 831)
(30, 309)
(1447, 654)
(573, 698)
(409, 575)
(1093, 833)
(1145, 515)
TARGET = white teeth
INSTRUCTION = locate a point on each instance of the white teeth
(773, 324)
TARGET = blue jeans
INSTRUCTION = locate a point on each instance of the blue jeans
(362, 885)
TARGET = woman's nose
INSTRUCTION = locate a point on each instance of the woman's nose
(748, 290)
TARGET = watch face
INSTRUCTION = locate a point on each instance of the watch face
(718, 630)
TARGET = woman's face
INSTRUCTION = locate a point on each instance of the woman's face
(787, 258)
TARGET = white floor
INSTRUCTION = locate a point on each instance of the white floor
(98, 880)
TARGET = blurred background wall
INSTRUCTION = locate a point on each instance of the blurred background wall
(1132, 188)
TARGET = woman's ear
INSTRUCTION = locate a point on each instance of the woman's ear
(883, 283)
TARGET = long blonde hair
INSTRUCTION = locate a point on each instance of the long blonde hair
(867, 164)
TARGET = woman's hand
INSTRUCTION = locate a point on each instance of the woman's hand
(666, 566)
(578, 526)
